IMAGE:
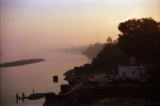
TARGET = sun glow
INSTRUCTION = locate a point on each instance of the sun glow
(62, 23)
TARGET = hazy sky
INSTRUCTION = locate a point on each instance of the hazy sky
(63, 23)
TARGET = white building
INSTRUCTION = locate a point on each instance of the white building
(109, 40)
(132, 72)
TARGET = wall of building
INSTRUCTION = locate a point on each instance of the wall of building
(128, 71)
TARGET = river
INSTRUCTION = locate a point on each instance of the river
(37, 76)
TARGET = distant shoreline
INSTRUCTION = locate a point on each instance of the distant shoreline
(21, 62)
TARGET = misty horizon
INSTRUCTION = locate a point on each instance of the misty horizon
(57, 31)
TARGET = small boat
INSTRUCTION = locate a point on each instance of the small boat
(36, 96)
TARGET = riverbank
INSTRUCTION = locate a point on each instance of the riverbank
(110, 95)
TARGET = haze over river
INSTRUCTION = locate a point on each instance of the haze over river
(38, 29)
(37, 76)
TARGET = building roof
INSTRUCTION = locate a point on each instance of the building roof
(109, 40)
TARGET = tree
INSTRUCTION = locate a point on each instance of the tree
(109, 58)
(141, 38)
(78, 73)
(92, 51)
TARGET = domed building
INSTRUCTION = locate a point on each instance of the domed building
(109, 40)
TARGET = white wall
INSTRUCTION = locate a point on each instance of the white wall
(128, 70)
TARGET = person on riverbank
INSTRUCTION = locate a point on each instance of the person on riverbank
(33, 91)
(17, 98)
(23, 96)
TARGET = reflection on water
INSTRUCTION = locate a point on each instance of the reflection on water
(37, 76)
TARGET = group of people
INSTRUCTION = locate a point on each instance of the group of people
(20, 98)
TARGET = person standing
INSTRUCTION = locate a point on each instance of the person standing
(17, 98)
(23, 96)
(33, 91)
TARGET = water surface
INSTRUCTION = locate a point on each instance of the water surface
(37, 76)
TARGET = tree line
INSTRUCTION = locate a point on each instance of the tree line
(139, 38)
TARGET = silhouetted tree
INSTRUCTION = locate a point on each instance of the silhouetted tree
(92, 51)
(141, 38)
(78, 73)
(109, 58)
